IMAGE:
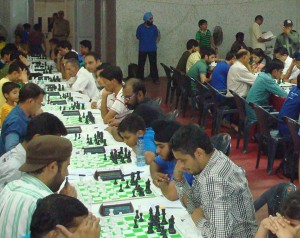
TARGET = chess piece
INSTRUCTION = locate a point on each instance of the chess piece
(133, 193)
(104, 142)
(148, 190)
(137, 214)
(132, 181)
(150, 228)
(122, 177)
(138, 177)
(164, 220)
(157, 213)
(127, 184)
(121, 188)
(135, 224)
(105, 157)
(115, 183)
(141, 217)
(171, 225)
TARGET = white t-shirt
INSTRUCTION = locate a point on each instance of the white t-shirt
(85, 83)
(117, 104)
(295, 70)
(256, 33)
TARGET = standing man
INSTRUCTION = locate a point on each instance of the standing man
(256, 34)
(147, 34)
(288, 39)
(219, 200)
(61, 27)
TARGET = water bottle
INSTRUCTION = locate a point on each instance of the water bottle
(140, 152)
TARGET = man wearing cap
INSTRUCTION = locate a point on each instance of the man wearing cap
(289, 38)
(147, 34)
(46, 166)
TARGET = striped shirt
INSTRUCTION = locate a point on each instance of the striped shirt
(117, 104)
(204, 38)
(17, 204)
(222, 191)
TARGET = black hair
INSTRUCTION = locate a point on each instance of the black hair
(149, 113)
(54, 41)
(94, 54)
(8, 87)
(132, 123)
(188, 138)
(260, 53)
(137, 85)
(14, 67)
(15, 55)
(239, 35)
(250, 49)
(291, 206)
(7, 49)
(241, 53)
(103, 66)
(30, 90)
(281, 51)
(272, 65)
(71, 55)
(45, 124)
(201, 22)
(37, 27)
(65, 44)
(26, 26)
(112, 72)
(230, 55)
(86, 43)
(191, 43)
(55, 209)
(259, 17)
(206, 51)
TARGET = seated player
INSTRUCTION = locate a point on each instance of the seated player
(84, 81)
(15, 74)
(260, 60)
(85, 48)
(191, 46)
(133, 126)
(290, 108)
(15, 125)
(192, 59)
(53, 42)
(239, 43)
(219, 200)
(63, 48)
(63, 216)
(113, 106)
(286, 225)
(162, 167)
(264, 86)
(10, 91)
(5, 58)
(45, 170)
(43, 124)
(219, 75)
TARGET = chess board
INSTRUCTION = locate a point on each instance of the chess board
(123, 226)
(80, 140)
(106, 191)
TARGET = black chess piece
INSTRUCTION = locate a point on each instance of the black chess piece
(105, 157)
(164, 220)
(151, 214)
(104, 142)
(133, 193)
(150, 228)
(158, 228)
(171, 225)
(141, 217)
(138, 177)
(148, 190)
(157, 213)
(132, 181)
(121, 188)
(122, 177)
(127, 184)
(137, 214)
(80, 119)
(115, 183)
(135, 224)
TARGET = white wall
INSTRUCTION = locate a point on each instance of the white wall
(178, 22)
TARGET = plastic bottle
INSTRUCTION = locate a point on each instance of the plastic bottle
(140, 152)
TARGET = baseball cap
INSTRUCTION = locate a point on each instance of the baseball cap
(147, 16)
(288, 23)
(42, 150)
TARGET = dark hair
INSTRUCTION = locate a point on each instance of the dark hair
(272, 65)
(239, 35)
(250, 49)
(191, 43)
(230, 55)
(132, 123)
(201, 22)
(71, 55)
(188, 138)
(65, 44)
(54, 41)
(149, 113)
(93, 54)
(102, 66)
(86, 43)
(45, 124)
(291, 206)
(206, 51)
(136, 84)
(15, 55)
(281, 51)
(8, 87)
(112, 72)
(7, 49)
(55, 209)
(241, 53)
(259, 17)
(37, 27)
(30, 90)
(26, 26)
(14, 67)
(260, 53)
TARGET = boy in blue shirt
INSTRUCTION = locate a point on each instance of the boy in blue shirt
(133, 126)
(162, 168)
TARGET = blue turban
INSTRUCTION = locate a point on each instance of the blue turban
(147, 16)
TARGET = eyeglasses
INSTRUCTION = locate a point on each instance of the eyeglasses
(130, 97)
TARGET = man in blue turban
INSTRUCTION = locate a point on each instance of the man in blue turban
(147, 34)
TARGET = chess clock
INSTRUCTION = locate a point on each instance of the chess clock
(59, 102)
(71, 113)
(53, 94)
(94, 150)
(117, 208)
(73, 129)
(108, 175)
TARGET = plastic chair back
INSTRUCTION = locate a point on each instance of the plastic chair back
(294, 129)
(222, 142)
(241, 105)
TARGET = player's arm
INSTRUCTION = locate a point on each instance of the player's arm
(149, 156)
(203, 78)
(288, 73)
(106, 113)
(114, 132)
(168, 189)
(11, 140)
(79, 85)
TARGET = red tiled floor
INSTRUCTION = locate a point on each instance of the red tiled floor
(258, 179)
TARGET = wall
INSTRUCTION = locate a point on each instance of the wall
(178, 22)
